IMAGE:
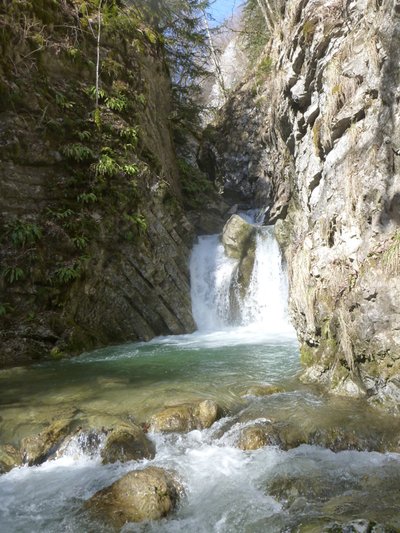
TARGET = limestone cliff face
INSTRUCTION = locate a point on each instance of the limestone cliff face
(94, 239)
(315, 137)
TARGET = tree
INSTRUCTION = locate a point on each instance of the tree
(187, 49)
(214, 56)
(256, 29)
(272, 10)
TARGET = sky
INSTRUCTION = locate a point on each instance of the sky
(221, 9)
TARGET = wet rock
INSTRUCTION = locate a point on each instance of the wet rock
(325, 525)
(339, 439)
(240, 281)
(38, 448)
(339, 498)
(291, 435)
(186, 417)
(264, 390)
(289, 487)
(9, 458)
(83, 441)
(148, 494)
(236, 236)
(255, 437)
(383, 503)
(333, 438)
(127, 442)
(357, 526)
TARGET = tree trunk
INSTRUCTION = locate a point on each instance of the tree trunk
(267, 13)
(218, 72)
(98, 53)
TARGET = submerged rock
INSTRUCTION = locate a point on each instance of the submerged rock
(127, 442)
(288, 487)
(236, 236)
(186, 417)
(9, 458)
(264, 390)
(148, 494)
(345, 500)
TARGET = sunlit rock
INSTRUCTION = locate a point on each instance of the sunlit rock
(36, 449)
(9, 458)
(236, 236)
(255, 437)
(186, 417)
(148, 494)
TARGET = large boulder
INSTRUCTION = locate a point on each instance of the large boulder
(148, 494)
(186, 417)
(237, 236)
(127, 442)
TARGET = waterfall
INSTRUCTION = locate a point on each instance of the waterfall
(265, 302)
(214, 288)
(211, 272)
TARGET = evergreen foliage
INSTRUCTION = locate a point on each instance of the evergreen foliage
(256, 32)
(180, 25)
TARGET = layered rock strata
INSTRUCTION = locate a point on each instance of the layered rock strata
(94, 238)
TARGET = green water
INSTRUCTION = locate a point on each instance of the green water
(138, 379)
(227, 490)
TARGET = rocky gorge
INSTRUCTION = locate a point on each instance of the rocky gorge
(122, 222)
(310, 136)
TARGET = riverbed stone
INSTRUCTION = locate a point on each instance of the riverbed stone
(186, 417)
(127, 442)
(264, 390)
(257, 436)
(326, 525)
(236, 236)
(36, 449)
(288, 487)
(9, 458)
(148, 494)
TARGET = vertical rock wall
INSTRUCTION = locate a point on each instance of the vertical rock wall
(94, 239)
(314, 135)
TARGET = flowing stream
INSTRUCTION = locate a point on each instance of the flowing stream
(272, 489)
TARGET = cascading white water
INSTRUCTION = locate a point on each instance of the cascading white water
(211, 272)
(265, 302)
(263, 307)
